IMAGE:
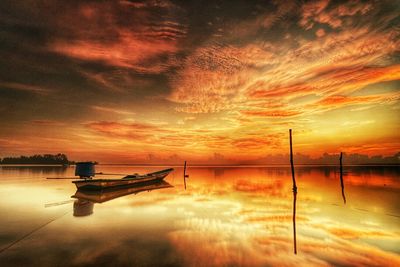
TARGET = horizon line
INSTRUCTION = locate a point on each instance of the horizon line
(210, 165)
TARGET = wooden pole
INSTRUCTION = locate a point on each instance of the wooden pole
(294, 193)
(184, 174)
(341, 177)
(62, 178)
(291, 162)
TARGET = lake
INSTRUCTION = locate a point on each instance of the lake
(227, 216)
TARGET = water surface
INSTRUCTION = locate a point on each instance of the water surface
(227, 216)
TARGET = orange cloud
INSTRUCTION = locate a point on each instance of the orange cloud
(230, 78)
(213, 77)
(128, 51)
(271, 113)
(320, 33)
(278, 91)
(320, 12)
(134, 131)
(311, 10)
(144, 43)
(113, 110)
(26, 87)
(47, 123)
(333, 100)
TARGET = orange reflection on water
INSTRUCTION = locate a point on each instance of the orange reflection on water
(249, 222)
(227, 216)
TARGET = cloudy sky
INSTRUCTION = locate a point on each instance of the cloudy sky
(116, 81)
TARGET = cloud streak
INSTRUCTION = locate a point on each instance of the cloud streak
(128, 35)
(25, 87)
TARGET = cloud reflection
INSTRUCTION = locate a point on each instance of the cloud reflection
(250, 231)
(239, 217)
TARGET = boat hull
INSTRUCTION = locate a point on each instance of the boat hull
(100, 184)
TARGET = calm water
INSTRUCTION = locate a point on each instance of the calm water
(226, 217)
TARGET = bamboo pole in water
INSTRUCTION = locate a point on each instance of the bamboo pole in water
(294, 193)
(291, 162)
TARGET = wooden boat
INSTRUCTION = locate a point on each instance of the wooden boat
(129, 180)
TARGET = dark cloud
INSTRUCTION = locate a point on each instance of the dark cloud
(233, 65)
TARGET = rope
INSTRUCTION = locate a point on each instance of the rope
(31, 232)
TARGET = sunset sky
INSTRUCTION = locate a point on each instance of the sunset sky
(127, 81)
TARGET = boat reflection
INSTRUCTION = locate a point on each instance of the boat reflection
(84, 204)
(83, 208)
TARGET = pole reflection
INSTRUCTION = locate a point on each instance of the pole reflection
(185, 175)
(294, 219)
(341, 178)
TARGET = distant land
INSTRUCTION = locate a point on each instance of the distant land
(46, 159)
(219, 160)
(276, 159)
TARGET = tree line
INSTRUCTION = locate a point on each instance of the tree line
(37, 159)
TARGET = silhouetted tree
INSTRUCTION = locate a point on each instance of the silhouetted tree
(37, 159)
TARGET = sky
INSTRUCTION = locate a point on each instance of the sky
(133, 81)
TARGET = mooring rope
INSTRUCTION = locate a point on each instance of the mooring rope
(31, 232)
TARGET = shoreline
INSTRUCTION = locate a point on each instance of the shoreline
(204, 165)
